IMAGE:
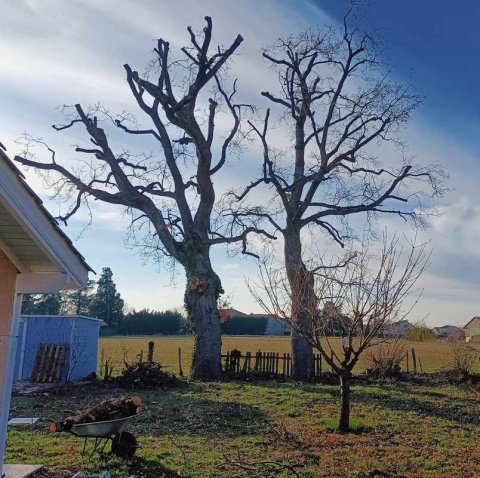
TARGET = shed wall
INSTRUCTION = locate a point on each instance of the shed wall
(79, 333)
(83, 359)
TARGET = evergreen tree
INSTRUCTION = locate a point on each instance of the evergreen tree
(42, 304)
(107, 304)
(28, 304)
(79, 302)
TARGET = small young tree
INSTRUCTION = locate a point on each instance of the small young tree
(359, 299)
(107, 304)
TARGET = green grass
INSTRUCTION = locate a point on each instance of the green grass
(202, 430)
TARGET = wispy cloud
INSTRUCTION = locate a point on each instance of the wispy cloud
(65, 52)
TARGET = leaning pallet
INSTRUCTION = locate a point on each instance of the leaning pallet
(50, 362)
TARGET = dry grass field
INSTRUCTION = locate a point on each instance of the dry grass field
(433, 355)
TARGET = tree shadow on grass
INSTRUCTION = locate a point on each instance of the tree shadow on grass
(189, 415)
(401, 398)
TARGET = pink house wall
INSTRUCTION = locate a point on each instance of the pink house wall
(8, 276)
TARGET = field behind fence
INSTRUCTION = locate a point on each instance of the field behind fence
(431, 356)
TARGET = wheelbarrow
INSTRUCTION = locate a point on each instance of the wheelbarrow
(124, 444)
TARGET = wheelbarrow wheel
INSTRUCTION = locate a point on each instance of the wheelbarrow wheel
(124, 444)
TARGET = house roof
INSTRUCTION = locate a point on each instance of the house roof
(470, 321)
(29, 234)
(227, 314)
(264, 316)
(69, 317)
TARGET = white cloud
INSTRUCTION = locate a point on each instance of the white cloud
(64, 52)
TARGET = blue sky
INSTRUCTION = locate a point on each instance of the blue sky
(57, 53)
(437, 44)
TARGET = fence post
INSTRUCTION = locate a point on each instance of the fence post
(255, 367)
(414, 360)
(227, 362)
(246, 364)
(180, 370)
(408, 368)
(102, 362)
(151, 347)
(140, 356)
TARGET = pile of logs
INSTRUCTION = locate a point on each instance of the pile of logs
(111, 409)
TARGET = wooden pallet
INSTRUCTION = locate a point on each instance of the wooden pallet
(50, 362)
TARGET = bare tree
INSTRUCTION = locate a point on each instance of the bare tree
(359, 300)
(338, 103)
(172, 197)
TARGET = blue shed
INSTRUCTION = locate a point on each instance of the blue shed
(78, 332)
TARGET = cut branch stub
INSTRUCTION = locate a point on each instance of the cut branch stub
(198, 285)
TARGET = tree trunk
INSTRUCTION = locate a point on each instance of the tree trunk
(201, 296)
(344, 424)
(303, 305)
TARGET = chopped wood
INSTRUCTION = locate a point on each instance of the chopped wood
(110, 409)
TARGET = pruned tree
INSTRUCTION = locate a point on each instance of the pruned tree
(339, 106)
(361, 299)
(172, 198)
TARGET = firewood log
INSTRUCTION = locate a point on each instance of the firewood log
(110, 409)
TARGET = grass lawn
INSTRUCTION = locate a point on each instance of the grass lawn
(228, 429)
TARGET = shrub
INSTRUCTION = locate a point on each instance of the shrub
(465, 359)
(146, 375)
(384, 360)
(151, 322)
(420, 334)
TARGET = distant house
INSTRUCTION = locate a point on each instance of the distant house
(227, 314)
(275, 325)
(472, 328)
(234, 322)
(397, 329)
(447, 331)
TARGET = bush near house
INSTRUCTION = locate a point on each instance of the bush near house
(420, 334)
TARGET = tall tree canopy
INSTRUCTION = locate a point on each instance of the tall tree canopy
(342, 110)
(171, 198)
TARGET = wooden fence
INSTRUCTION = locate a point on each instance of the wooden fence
(276, 365)
(265, 364)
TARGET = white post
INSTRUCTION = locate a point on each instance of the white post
(6, 393)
